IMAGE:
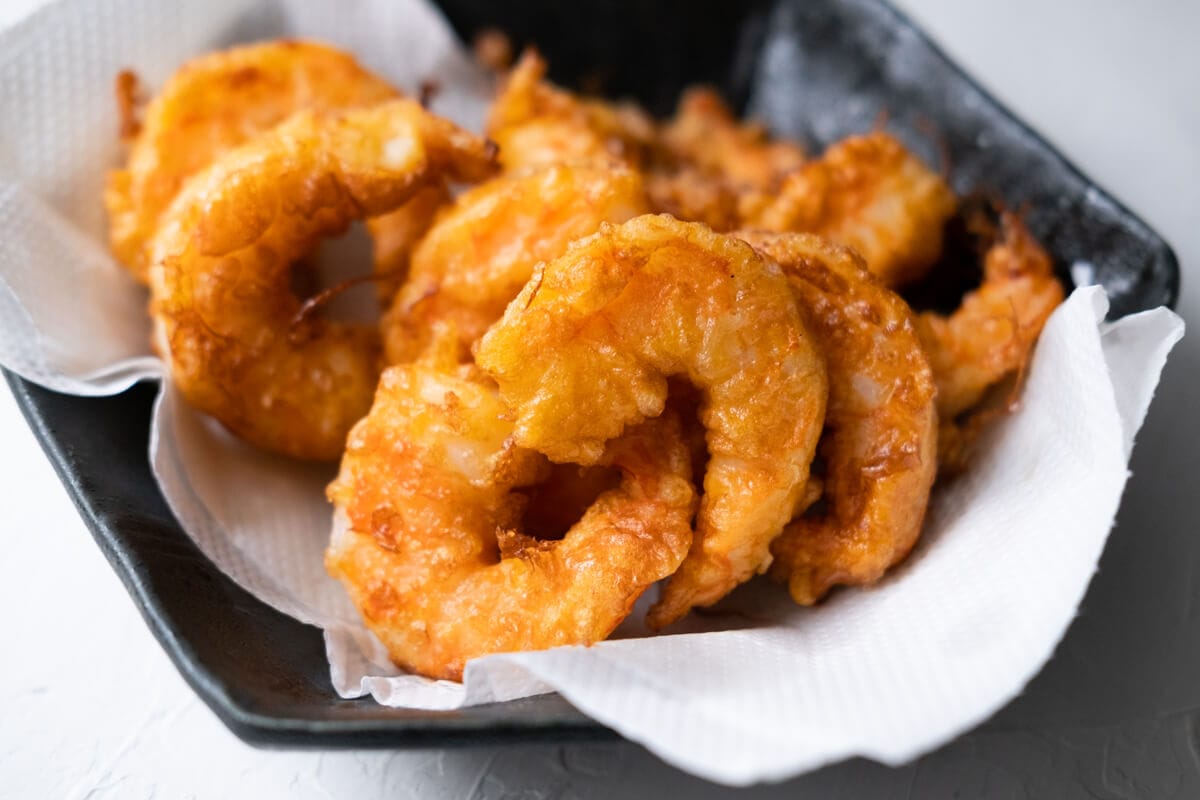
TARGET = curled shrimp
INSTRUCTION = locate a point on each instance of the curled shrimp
(224, 315)
(536, 123)
(586, 350)
(880, 440)
(213, 104)
(868, 193)
(991, 335)
(483, 249)
(428, 509)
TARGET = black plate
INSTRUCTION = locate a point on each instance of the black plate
(813, 69)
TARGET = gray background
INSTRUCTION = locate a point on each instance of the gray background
(92, 708)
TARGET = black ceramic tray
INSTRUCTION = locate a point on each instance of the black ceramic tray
(812, 69)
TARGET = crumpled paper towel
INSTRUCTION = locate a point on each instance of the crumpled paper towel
(762, 690)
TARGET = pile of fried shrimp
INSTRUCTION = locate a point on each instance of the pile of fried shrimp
(613, 350)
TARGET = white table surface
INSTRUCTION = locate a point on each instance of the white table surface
(97, 710)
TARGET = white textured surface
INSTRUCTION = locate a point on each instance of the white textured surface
(161, 739)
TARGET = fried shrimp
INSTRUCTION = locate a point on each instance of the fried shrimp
(536, 123)
(706, 135)
(213, 104)
(708, 166)
(224, 315)
(991, 335)
(880, 440)
(871, 194)
(481, 251)
(426, 518)
(687, 193)
(586, 350)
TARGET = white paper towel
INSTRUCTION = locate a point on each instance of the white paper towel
(762, 690)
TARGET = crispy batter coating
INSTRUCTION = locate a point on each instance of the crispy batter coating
(586, 350)
(868, 193)
(990, 337)
(706, 135)
(482, 250)
(224, 315)
(709, 166)
(213, 104)
(702, 166)
(880, 441)
(687, 193)
(426, 535)
(536, 123)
